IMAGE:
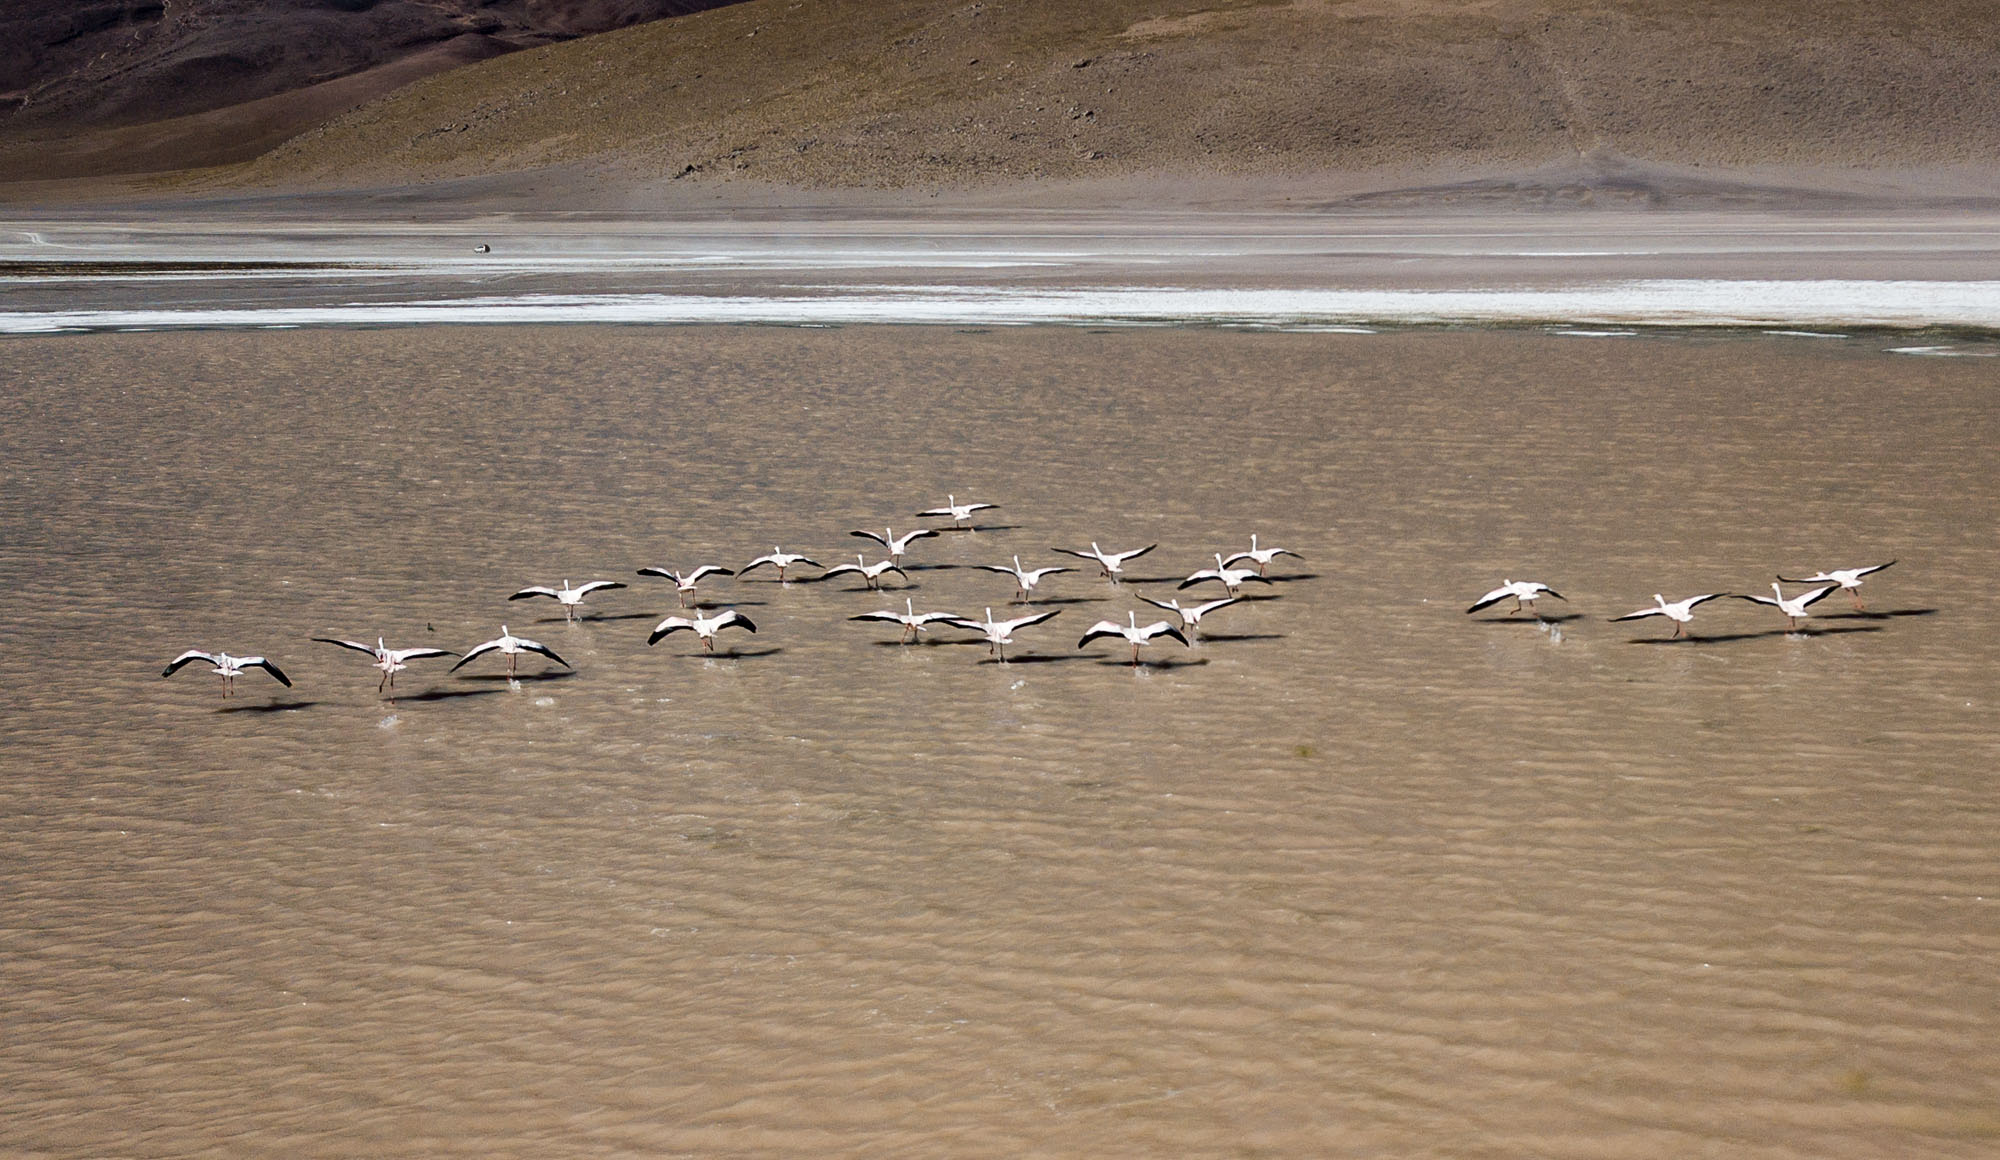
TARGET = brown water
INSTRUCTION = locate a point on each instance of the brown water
(1361, 875)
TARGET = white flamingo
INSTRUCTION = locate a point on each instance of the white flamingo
(1132, 631)
(872, 573)
(566, 596)
(1849, 580)
(959, 512)
(390, 660)
(1112, 564)
(1680, 611)
(227, 667)
(684, 582)
(1794, 608)
(1000, 633)
(896, 544)
(704, 627)
(779, 559)
(1524, 593)
(1025, 579)
(913, 622)
(1261, 557)
(1192, 614)
(512, 646)
(1232, 579)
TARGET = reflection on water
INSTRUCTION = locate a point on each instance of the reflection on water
(1356, 873)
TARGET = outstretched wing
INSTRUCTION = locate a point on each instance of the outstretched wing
(1487, 601)
(1169, 605)
(1817, 595)
(1121, 557)
(1641, 614)
(477, 650)
(193, 654)
(660, 572)
(267, 666)
(875, 536)
(595, 585)
(356, 646)
(1161, 628)
(524, 593)
(670, 624)
(535, 646)
(884, 614)
(1201, 610)
(412, 654)
(1000, 568)
(837, 569)
(734, 619)
(1704, 598)
(1198, 577)
(705, 570)
(1074, 552)
(1101, 629)
(1011, 625)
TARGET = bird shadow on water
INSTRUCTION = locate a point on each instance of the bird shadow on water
(735, 654)
(521, 678)
(1517, 618)
(1161, 665)
(1733, 637)
(1235, 636)
(1038, 659)
(609, 616)
(440, 695)
(1887, 614)
(268, 707)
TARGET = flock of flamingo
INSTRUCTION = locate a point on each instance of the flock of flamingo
(705, 623)
(998, 634)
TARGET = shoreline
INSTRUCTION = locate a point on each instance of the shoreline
(1911, 269)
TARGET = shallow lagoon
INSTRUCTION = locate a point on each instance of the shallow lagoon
(1358, 874)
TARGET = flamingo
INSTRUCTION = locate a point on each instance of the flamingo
(1000, 633)
(1680, 611)
(1849, 579)
(959, 512)
(896, 544)
(227, 667)
(1025, 579)
(390, 660)
(684, 583)
(779, 559)
(872, 573)
(704, 627)
(1191, 615)
(513, 646)
(1262, 557)
(1232, 579)
(1132, 631)
(1795, 607)
(1524, 593)
(913, 622)
(566, 596)
(1112, 563)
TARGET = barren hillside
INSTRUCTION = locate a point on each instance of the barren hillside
(913, 94)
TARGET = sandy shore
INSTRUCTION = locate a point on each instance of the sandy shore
(236, 263)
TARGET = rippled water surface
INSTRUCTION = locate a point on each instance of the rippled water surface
(1359, 874)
